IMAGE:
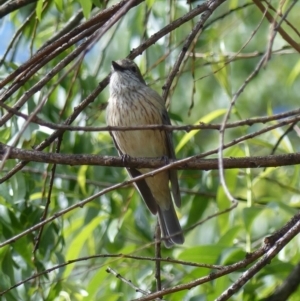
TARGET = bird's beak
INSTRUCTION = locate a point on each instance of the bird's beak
(117, 67)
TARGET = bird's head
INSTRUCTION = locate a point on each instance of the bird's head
(126, 72)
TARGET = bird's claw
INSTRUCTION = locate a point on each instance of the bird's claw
(125, 158)
(165, 159)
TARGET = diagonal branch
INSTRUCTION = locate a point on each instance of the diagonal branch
(272, 250)
(268, 251)
(11, 6)
(288, 287)
(281, 31)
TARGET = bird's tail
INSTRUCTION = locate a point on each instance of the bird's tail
(170, 227)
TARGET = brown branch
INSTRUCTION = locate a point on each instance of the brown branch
(187, 128)
(228, 113)
(11, 6)
(104, 82)
(281, 31)
(64, 62)
(21, 164)
(286, 21)
(211, 6)
(74, 178)
(176, 67)
(48, 202)
(289, 129)
(87, 28)
(16, 36)
(170, 27)
(234, 56)
(288, 287)
(267, 251)
(272, 249)
(157, 273)
(273, 240)
(69, 26)
(270, 241)
(274, 29)
(126, 281)
(91, 198)
(187, 163)
(118, 256)
(38, 63)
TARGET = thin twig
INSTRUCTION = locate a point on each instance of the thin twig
(104, 82)
(190, 163)
(16, 35)
(204, 16)
(157, 255)
(246, 122)
(289, 129)
(13, 5)
(274, 29)
(78, 33)
(117, 257)
(268, 251)
(271, 251)
(281, 31)
(126, 281)
(288, 286)
(227, 115)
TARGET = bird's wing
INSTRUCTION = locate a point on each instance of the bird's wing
(144, 190)
(169, 142)
(171, 154)
(141, 185)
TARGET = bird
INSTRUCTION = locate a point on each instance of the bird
(133, 103)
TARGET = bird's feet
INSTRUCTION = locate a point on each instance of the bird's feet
(165, 159)
(125, 159)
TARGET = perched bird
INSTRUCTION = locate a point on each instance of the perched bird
(133, 103)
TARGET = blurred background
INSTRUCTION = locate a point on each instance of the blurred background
(220, 58)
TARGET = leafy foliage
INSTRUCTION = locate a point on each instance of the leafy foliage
(116, 225)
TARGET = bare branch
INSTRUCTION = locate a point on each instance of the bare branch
(288, 287)
(13, 5)
(119, 256)
(185, 164)
(126, 281)
(272, 249)
(281, 31)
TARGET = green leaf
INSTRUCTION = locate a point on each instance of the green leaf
(223, 202)
(199, 204)
(202, 254)
(79, 241)
(249, 215)
(86, 7)
(4, 134)
(150, 3)
(5, 282)
(81, 178)
(113, 230)
(293, 74)
(221, 72)
(232, 255)
(229, 237)
(230, 176)
(206, 119)
(97, 3)
(59, 5)
(100, 276)
(39, 9)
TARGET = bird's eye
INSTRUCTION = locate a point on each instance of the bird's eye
(133, 68)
